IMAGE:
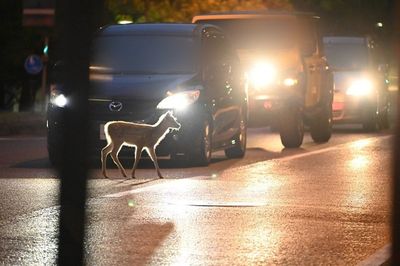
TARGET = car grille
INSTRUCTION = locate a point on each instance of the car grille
(133, 111)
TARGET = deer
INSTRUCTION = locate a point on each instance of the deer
(141, 136)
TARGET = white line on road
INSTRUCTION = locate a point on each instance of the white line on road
(379, 257)
(296, 156)
(340, 146)
(282, 159)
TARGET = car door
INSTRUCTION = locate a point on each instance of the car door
(220, 82)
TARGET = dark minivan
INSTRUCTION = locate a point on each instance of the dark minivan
(140, 71)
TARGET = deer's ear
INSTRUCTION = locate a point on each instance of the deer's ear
(169, 113)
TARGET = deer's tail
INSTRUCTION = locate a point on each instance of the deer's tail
(106, 132)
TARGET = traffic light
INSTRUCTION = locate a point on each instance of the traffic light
(46, 49)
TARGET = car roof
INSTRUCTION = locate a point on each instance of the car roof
(173, 29)
(252, 14)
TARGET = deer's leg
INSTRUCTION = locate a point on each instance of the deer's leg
(153, 157)
(114, 156)
(104, 153)
(138, 153)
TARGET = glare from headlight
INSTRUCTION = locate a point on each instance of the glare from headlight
(59, 100)
(262, 74)
(289, 82)
(180, 100)
(360, 87)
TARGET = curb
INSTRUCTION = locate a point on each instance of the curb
(22, 123)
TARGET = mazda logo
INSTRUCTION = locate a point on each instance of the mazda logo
(115, 106)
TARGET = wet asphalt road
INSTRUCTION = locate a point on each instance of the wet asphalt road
(323, 204)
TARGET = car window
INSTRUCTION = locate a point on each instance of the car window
(258, 33)
(346, 56)
(145, 54)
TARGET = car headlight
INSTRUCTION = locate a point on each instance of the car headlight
(262, 74)
(360, 88)
(180, 100)
(290, 82)
(57, 98)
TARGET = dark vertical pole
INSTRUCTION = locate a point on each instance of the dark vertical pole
(396, 160)
(75, 21)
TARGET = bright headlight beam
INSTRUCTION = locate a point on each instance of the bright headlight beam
(289, 82)
(262, 74)
(60, 100)
(360, 88)
(180, 100)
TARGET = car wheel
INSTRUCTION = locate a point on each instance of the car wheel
(321, 126)
(240, 140)
(200, 155)
(291, 127)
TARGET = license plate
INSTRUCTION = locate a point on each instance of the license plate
(102, 135)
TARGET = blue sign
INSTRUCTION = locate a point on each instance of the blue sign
(33, 64)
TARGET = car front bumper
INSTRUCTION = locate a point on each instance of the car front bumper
(175, 142)
(265, 105)
(353, 110)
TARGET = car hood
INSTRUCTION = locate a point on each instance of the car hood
(137, 87)
(283, 59)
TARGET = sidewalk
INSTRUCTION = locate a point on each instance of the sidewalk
(22, 123)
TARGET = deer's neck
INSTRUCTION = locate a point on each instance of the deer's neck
(160, 128)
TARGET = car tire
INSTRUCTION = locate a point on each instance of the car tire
(321, 126)
(239, 150)
(200, 154)
(291, 127)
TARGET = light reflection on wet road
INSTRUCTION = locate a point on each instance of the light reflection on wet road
(323, 204)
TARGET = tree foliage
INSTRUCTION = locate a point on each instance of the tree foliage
(183, 10)
(349, 16)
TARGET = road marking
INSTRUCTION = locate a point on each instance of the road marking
(160, 186)
(213, 204)
(337, 147)
(296, 156)
(379, 257)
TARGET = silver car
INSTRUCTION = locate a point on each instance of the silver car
(361, 89)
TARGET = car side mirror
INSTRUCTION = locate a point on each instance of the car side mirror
(212, 71)
(207, 73)
(383, 68)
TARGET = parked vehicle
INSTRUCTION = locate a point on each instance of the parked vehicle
(289, 82)
(361, 89)
(140, 71)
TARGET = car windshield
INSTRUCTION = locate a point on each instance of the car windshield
(258, 33)
(346, 56)
(145, 54)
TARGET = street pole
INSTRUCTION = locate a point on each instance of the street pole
(75, 23)
(395, 260)
(44, 77)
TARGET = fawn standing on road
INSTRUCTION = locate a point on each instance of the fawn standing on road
(140, 136)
